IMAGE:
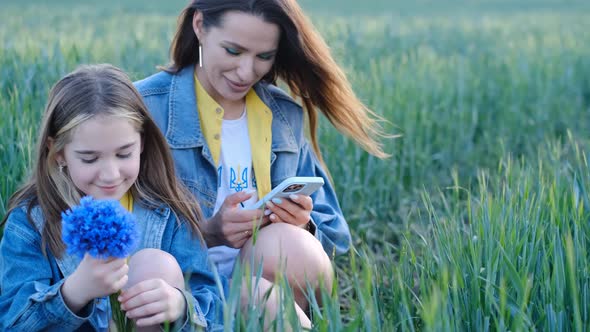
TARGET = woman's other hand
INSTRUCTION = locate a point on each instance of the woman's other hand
(232, 225)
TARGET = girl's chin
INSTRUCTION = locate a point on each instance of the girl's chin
(107, 197)
(115, 194)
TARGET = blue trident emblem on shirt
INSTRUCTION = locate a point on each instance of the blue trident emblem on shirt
(238, 184)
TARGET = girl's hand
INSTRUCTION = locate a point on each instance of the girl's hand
(94, 278)
(296, 210)
(152, 302)
(231, 225)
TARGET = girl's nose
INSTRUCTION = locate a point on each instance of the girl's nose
(110, 172)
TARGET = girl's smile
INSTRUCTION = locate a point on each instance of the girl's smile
(103, 156)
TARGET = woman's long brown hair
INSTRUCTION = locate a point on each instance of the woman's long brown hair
(303, 61)
(90, 91)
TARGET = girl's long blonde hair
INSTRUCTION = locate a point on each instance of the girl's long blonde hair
(303, 61)
(90, 91)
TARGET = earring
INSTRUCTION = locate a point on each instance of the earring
(200, 56)
(61, 168)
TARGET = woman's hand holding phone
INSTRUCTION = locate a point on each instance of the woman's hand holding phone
(295, 210)
(290, 202)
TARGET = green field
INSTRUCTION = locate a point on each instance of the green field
(480, 220)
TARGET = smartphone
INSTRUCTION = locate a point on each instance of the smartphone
(298, 185)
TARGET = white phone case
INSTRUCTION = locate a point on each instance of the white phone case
(298, 185)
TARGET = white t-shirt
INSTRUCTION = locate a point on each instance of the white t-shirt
(234, 174)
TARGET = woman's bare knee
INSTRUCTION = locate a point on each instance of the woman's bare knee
(292, 252)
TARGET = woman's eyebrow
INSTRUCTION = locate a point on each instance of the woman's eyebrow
(242, 48)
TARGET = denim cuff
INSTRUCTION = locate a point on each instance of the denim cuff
(192, 316)
(57, 310)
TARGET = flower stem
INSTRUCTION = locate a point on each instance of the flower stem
(121, 322)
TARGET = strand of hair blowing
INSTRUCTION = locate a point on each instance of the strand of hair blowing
(325, 86)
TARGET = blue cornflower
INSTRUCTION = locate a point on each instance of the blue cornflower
(101, 228)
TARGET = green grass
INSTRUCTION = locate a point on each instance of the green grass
(478, 221)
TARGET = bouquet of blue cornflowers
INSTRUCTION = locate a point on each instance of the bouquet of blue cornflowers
(101, 228)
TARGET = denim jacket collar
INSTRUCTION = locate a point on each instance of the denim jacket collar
(184, 127)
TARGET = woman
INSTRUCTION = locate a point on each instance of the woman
(231, 130)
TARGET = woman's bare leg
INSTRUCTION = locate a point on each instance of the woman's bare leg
(293, 251)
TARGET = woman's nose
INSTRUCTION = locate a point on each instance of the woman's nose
(245, 69)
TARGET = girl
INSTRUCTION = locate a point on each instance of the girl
(234, 135)
(97, 139)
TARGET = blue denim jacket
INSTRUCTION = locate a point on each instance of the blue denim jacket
(30, 283)
(171, 101)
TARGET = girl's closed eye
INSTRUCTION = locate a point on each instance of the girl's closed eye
(89, 160)
(124, 155)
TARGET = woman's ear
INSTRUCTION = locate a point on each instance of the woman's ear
(198, 24)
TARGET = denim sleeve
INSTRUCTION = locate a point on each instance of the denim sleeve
(204, 294)
(30, 299)
(331, 227)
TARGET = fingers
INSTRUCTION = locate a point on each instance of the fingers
(231, 224)
(119, 268)
(138, 292)
(237, 240)
(153, 320)
(245, 216)
(120, 279)
(229, 217)
(152, 302)
(106, 276)
(238, 225)
(296, 210)
(304, 201)
(234, 200)
(114, 274)
(144, 305)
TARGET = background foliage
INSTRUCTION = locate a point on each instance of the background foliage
(478, 221)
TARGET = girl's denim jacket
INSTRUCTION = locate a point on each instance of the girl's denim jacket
(30, 283)
(170, 99)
